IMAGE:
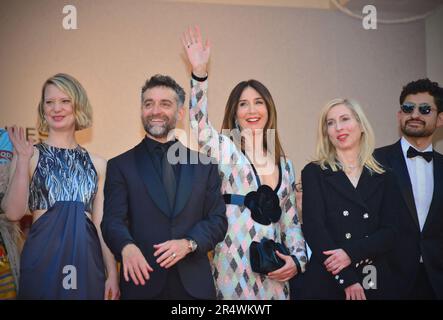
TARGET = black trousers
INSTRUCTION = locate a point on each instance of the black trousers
(174, 289)
(422, 289)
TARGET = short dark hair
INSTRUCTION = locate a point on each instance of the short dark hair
(159, 80)
(424, 85)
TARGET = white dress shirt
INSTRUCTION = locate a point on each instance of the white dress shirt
(421, 174)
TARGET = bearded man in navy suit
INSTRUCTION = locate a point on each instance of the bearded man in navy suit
(163, 209)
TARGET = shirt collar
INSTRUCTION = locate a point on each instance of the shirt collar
(153, 144)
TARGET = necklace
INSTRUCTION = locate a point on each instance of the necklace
(353, 176)
(348, 168)
(354, 180)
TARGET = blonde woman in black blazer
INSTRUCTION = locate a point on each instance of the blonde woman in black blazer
(349, 211)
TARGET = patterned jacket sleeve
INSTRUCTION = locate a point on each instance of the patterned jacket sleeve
(292, 235)
(209, 140)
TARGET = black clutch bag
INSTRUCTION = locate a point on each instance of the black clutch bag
(263, 257)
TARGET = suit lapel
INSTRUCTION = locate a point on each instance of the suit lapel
(369, 184)
(150, 177)
(186, 180)
(341, 184)
(398, 165)
(438, 189)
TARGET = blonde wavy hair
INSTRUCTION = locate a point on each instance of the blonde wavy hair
(325, 151)
(70, 86)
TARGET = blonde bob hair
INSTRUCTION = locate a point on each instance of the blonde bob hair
(70, 86)
(326, 153)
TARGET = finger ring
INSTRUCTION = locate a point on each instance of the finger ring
(189, 44)
(173, 255)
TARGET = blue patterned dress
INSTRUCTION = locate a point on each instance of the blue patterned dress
(62, 257)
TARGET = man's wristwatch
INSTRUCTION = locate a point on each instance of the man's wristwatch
(192, 245)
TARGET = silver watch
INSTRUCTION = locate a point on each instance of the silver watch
(192, 245)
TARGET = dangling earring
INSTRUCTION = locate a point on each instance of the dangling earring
(236, 125)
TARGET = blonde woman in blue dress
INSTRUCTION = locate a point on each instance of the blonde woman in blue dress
(61, 183)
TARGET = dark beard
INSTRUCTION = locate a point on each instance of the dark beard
(416, 133)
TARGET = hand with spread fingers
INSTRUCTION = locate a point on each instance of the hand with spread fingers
(171, 252)
(15, 200)
(286, 272)
(135, 265)
(197, 52)
(338, 260)
(22, 147)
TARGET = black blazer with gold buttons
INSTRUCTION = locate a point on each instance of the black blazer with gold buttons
(361, 221)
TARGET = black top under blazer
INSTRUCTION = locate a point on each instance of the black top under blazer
(361, 221)
(411, 242)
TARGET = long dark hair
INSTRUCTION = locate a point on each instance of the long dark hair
(231, 112)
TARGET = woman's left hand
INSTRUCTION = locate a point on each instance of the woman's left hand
(338, 260)
(112, 289)
(198, 53)
(286, 272)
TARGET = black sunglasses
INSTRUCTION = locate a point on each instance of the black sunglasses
(423, 108)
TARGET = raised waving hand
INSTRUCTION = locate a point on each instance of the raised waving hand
(22, 147)
(197, 52)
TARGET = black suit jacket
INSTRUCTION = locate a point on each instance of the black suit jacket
(412, 242)
(361, 221)
(136, 211)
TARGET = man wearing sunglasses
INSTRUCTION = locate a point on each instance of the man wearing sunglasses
(418, 260)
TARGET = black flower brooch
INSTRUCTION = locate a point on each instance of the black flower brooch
(264, 205)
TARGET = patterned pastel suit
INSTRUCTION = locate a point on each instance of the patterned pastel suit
(233, 276)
